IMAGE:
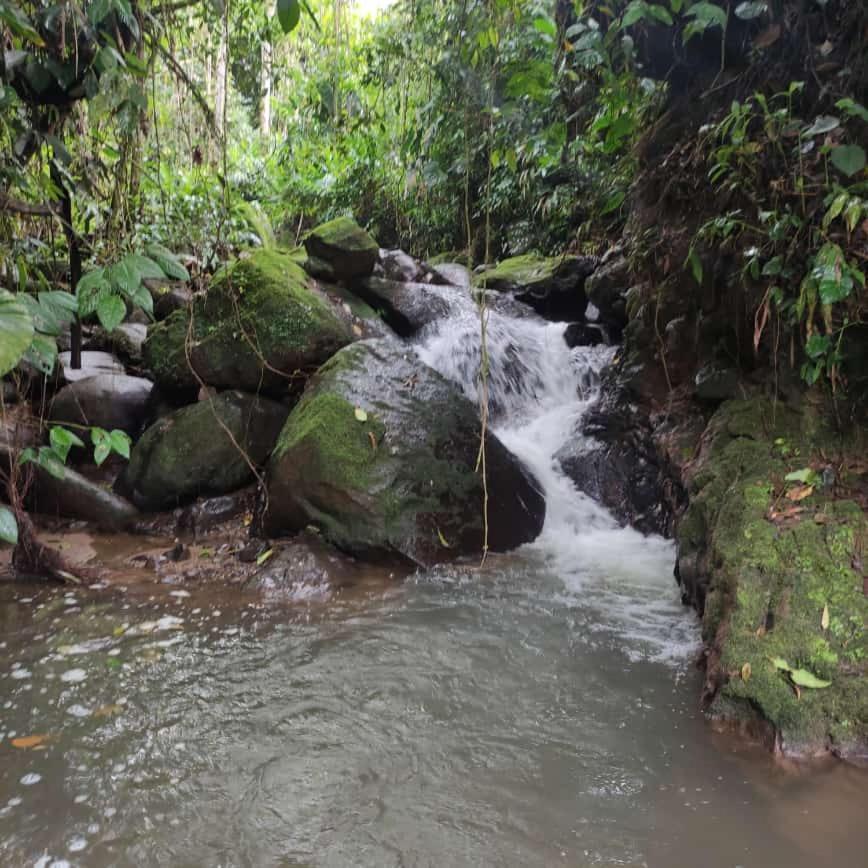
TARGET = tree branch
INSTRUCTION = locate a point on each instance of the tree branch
(17, 206)
(192, 87)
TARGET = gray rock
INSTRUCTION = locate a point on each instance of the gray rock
(397, 265)
(405, 307)
(93, 363)
(105, 401)
(607, 290)
(715, 382)
(454, 273)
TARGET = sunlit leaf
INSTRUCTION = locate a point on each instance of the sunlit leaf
(8, 526)
(803, 678)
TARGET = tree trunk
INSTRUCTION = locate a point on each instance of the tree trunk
(222, 83)
(266, 87)
(73, 245)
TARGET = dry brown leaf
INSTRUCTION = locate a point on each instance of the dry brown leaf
(800, 492)
(373, 440)
(30, 742)
(768, 37)
(108, 710)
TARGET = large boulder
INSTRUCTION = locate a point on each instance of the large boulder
(607, 290)
(553, 286)
(105, 401)
(381, 455)
(261, 322)
(344, 246)
(397, 265)
(93, 363)
(405, 307)
(197, 450)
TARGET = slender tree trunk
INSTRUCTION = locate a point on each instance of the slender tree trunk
(265, 77)
(73, 245)
(222, 83)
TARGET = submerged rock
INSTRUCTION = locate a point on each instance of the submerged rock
(553, 286)
(348, 250)
(261, 323)
(191, 451)
(106, 401)
(381, 455)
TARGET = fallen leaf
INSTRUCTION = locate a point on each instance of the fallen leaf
(264, 557)
(373, 440)
(108, 710)
(357, 329)
(768, 37)
(29, 742)
(800, 492)
(803, 678)
(360, 414)
(442, 539)
(745, 672)
(780, 663)
(119, 631)
(824, 619)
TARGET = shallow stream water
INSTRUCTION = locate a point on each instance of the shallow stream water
(539, 710)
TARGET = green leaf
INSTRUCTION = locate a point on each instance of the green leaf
(853, 108)
(62, 441)
(780, 663)
(51, 462)
(695, 265)
(835, 208)
(360, 414)
(773, 267)
(167, 260)
(807, 679)
(848, 159)
(42, 353)
(101, 451)
(16, 331)
(147, 268)
(822, 124)
(708, 14)
(805, 475)
(288, 14)
(111, 311)
(749, 11)
(8, 526)
(545, 26)
(120, 443)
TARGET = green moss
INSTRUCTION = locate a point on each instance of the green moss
(769, 582)
(519, 270)
(326, 428)
(345, 233)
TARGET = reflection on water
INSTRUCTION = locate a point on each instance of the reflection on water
(465, 718)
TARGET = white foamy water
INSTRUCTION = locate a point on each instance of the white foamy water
(538, 391)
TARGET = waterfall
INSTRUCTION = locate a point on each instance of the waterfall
(538, 391)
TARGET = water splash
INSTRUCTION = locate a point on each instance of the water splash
(539, 389)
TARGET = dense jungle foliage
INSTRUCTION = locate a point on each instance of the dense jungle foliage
(151, 140)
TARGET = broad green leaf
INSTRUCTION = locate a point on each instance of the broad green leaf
(773, 267)
(51, 462)
(807, 679)
(545, 26)
(8, 526)
(288, 14)
(780, 663)
(167, 260)
(806, 474)
(120, 443)
(62, 441)
(42, 353)
(835, 208)
(708, 14)
(853, 108)
(111, 311)
(146, 267)
(16, 331)
(822, 124)
(101, 451)
(848, 159)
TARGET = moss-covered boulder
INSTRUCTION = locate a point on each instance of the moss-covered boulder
(345, 248)
(197, 450)
(261, 323)
(381, 455)
(775, 567)
(554, 286)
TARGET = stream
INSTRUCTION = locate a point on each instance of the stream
(539, 709)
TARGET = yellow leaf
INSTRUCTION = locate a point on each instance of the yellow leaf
(27, 742)
(745, 672)
(119, 631)
(373, 440)
(264, 557)
(442, 539)
(824, 620)
(360, 414)
(800, 492)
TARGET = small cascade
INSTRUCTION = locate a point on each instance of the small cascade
(538, 391)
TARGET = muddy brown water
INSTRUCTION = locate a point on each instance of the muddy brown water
(464, 717)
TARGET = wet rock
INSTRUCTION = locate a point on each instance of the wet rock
(93, 363)
(405, 307)
(261, 324)
(397, 265)
(206, 514)
(106, 401)
(169, 297)
(454, 273)
(128, 339)
(191, 452)
(582, 334)
(345, 246)
(380, 454)
(9, 392)
(552, 286)
(307, 568)
(716, 382)
(607, 290)
(76, 496)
